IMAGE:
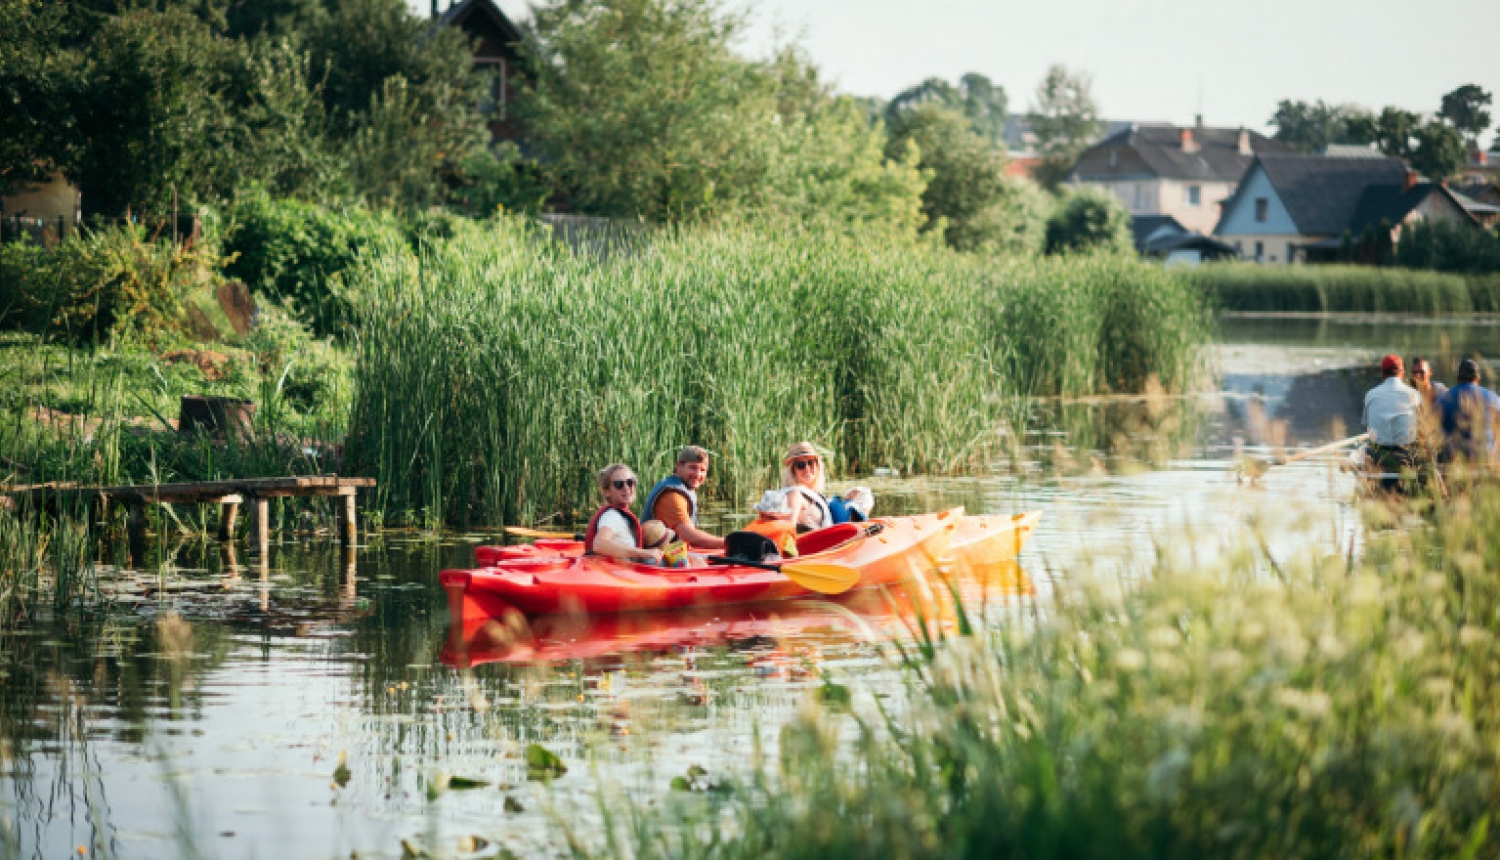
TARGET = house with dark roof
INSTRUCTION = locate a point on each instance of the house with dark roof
(1300, 208)
(1162, 237)
(497, 55)
(1168, 170)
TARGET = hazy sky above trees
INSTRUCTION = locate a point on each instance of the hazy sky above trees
(1151, 59)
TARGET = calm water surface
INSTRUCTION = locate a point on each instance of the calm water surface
(306, 706)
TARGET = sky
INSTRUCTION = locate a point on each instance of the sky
(1150, 60)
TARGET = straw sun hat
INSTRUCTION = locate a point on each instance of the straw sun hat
(655, 533)
(800, 450)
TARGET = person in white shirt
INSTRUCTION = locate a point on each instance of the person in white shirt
(1391, 416)
(615, 530)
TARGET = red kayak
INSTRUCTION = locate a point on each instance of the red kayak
(543, 581)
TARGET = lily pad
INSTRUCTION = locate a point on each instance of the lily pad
(542, 763)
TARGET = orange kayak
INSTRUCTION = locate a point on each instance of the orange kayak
(548, 583)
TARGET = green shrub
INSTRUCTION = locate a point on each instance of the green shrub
(113, 281)
(1089, 219)
(1339, 288)
(299, 253)
(1447, 246)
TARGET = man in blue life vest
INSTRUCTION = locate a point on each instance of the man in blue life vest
(1469, 412)
(674, 499)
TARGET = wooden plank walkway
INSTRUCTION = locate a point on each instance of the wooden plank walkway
(228, 494)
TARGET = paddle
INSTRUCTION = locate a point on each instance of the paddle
(824, 577)
(1253, 468)
(535, 533)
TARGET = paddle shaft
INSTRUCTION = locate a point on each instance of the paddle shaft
(1332, 446)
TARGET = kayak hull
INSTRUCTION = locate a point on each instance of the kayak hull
(544, 584)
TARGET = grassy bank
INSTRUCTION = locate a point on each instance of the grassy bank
(1344, 289)
(497, 371)
(1305, 707)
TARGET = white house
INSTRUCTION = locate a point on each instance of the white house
(1166, 170)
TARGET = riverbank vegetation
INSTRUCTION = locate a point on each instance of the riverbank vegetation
(1344, 289)
(1310, 706)
(495, 374)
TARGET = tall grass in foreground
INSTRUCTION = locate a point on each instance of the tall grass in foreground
(1288, 708)
(496, 372)
(1344, 288)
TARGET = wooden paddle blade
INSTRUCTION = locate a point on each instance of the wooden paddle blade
(536, 533)
(824, 577)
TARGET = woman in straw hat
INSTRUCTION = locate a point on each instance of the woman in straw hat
(804, 479)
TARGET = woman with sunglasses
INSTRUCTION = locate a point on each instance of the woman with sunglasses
(614, 529)
(803, 480)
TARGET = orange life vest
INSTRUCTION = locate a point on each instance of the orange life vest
(593, 529)
(783, 533)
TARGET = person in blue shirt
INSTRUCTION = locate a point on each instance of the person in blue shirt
(1469, 412)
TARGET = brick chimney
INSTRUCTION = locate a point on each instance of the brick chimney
(1188, 143)
(1244, 142)
(1411, 180)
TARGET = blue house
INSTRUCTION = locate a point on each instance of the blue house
(1300, 208)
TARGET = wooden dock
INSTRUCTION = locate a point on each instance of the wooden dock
(228, 495)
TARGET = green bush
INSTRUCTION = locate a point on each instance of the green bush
(1088, 219)
(1339, 288)
(113, 281)
(1446, 246)
(299, 253)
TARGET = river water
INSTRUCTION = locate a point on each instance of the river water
(316, 704)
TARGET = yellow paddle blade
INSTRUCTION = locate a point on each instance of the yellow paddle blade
(825, 577)
(535, 533)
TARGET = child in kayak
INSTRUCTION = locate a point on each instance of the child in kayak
(773, 520)
(655, 535)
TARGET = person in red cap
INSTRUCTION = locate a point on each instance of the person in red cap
(1391, 417)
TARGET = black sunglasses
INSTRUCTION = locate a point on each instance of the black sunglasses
(628, 482)
(801, 465)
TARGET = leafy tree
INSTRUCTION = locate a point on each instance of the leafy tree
(360, 44)
(1466, 110)
(966, 173)
(1064, 118)
(149, 115)
(1394, 131)
(976, 97)
(831, 164)
(36, 82)
(1440, 150)
(1089, 219)
(641, 109)
(281, 139)
(405, 139)
(1313, 127)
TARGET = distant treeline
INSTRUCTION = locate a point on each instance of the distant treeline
(1345, 289)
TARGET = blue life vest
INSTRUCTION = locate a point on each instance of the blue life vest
(671, 484)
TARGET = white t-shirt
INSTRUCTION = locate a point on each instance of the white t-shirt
(614, 523)
(1391, 412)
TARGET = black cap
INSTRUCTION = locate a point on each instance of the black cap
(1468, 370)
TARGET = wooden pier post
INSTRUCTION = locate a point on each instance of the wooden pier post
(135, 530)
(349, 533)
(229, 513)
(263, 527)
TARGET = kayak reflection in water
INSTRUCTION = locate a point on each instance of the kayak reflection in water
(804, 478)
(614, 530)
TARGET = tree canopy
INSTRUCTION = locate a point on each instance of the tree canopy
(1064, 118)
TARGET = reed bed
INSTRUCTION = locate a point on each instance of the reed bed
(1344, 289)
(1307, 707)
(497, 370)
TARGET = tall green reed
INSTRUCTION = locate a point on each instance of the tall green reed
(497, 370)
(1343, 288)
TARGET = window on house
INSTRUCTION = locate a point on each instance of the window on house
(1194, 195)
(1289, 257)
(1260, 251)
(1114, 158)
(1262, 208)
(1239, 247)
